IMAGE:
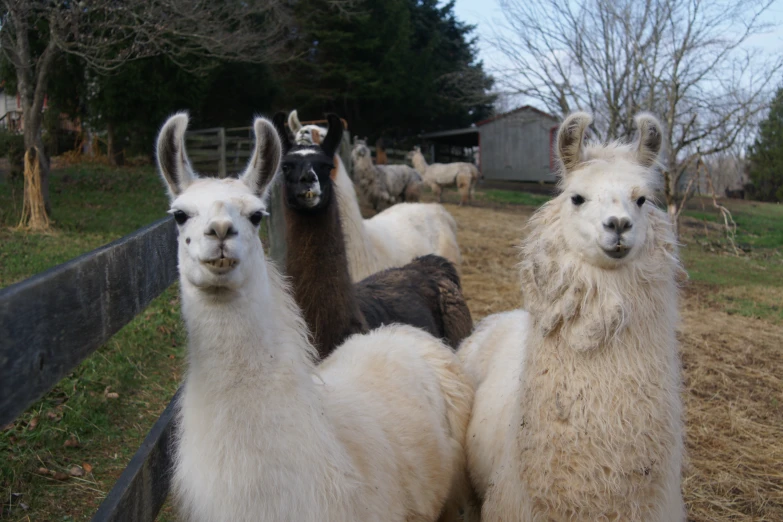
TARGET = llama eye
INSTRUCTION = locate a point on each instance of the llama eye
(641, 201)
(256, 218)
(180, 217)
(577, 200)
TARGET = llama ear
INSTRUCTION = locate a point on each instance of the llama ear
(333, 136)
(173, 162)
(650, 139)
(570, 137)
(265, 159)
(285, 139)
(293, 121)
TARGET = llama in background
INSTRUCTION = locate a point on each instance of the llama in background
(439, 175)
(391, 238)
(425, 292)
(383, 185)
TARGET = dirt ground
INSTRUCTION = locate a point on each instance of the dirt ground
(732, 373)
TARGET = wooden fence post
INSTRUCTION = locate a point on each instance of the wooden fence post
(222, 152)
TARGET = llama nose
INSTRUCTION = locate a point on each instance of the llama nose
(221, 228)
(308, 177)
(618, 225)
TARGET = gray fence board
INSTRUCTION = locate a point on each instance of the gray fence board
(53, 321)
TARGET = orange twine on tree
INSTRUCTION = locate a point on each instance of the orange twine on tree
(33, 209)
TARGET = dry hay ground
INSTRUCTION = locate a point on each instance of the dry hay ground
(732, 370)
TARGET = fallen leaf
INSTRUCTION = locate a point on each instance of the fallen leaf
(60, 476)
(86, 467)
(24, 506)
(44, 471)
(54, 415)
(33, 423)
(76, 471)
(71, 443)
(171, 356)
(112, 395)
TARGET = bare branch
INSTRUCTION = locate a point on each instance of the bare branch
(688, 61)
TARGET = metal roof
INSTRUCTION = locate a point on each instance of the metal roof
(453, 132)
(518, 109)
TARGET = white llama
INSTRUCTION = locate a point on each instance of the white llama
(577, 414)
(391, 238)
(439, 175)
(376, 432)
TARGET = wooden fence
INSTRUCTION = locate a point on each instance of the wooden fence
(224, 151)
(53, 321)
(394, 156)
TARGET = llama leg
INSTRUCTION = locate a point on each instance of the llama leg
(463, 192)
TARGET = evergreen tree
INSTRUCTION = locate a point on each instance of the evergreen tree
(396, 67)
(766, 154)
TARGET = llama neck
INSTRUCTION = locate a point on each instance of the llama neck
(316, 261)
(420, 163)
(251, 409)
(361, 256)
(591, 325)
(246, 332)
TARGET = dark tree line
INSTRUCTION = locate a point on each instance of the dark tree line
(395, 68)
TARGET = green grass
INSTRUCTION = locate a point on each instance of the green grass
(759, 225)
(93, 205)
(512, 197)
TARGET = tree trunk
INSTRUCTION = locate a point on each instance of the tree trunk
(116, 155)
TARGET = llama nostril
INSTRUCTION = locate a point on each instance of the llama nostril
(221, 229)
(618, 225)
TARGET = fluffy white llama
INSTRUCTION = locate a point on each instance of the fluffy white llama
(577, 415)
(391, 238)
(376, 432)
(439, 175)
(383, 185)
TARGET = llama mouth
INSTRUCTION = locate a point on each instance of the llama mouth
(309, 198)
(221, 264)
(618, 252)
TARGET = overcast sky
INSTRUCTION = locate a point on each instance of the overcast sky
(486, 13)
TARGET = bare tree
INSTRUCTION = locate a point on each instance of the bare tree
(688, 61)
(108, 33)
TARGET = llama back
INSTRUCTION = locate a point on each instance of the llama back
(426, 399)
(447, 173)
(421, 228)
(398, 178)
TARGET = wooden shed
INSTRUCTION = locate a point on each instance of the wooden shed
(518, 145)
